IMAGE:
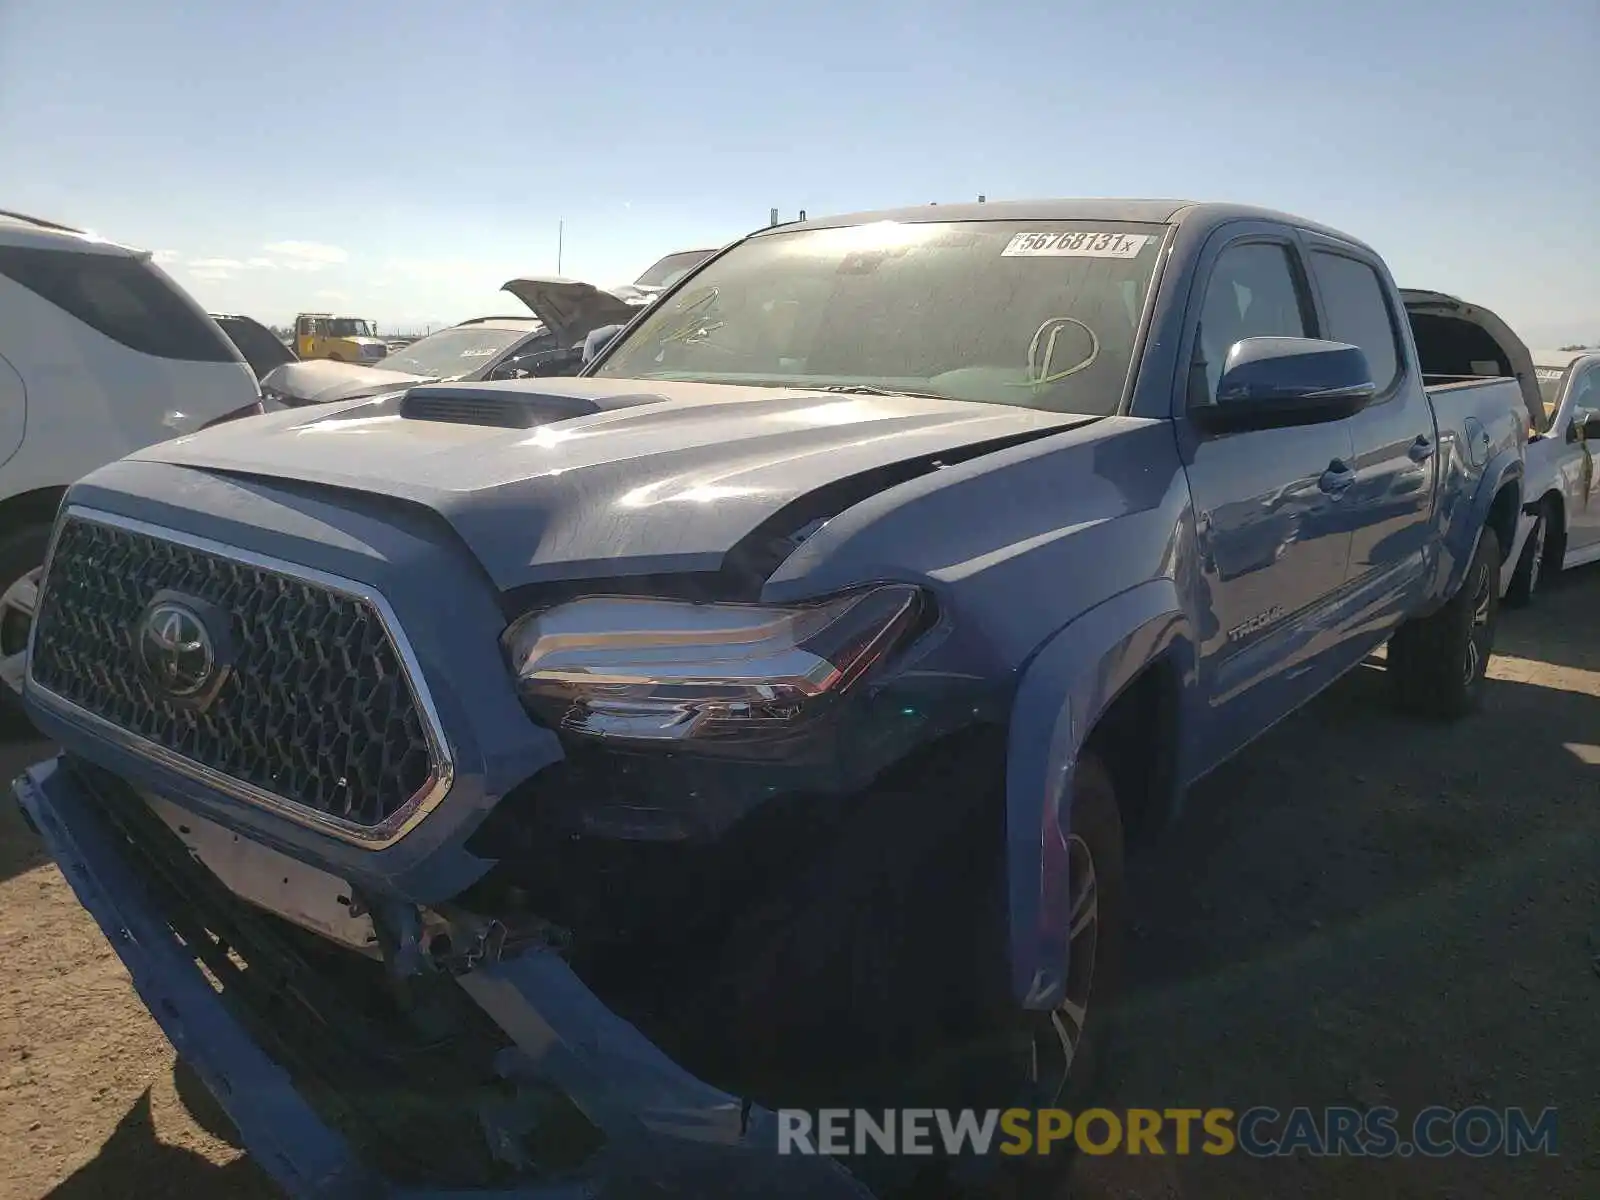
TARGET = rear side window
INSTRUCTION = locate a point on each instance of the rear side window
(127, 299)
(1358, 313)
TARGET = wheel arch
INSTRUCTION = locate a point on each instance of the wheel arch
(1127, 660)
(30, 508)
(1555, 542)
(1496, 504)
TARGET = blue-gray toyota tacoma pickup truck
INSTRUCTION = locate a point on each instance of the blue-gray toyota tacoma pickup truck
(528, 788)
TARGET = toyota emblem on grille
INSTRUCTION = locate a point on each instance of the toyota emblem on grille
(176, 650)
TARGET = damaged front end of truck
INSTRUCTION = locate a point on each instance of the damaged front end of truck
(664, 906)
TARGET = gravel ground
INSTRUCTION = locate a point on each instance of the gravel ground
(1361, 909)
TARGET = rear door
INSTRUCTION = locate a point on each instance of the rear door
(1273, 548)
(1388, 509)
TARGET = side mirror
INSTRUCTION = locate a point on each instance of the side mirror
(598, 340)
(1274, 382)
(1585, 425)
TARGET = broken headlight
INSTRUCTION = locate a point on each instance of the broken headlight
(655, 670)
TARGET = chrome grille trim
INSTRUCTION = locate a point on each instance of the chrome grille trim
(373, 837)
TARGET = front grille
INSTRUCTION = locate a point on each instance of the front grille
(317, 711)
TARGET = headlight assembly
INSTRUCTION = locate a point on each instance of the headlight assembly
(655, 670)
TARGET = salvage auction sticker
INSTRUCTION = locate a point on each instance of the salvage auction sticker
(1075, 245)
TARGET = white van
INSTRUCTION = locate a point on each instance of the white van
(101, 353)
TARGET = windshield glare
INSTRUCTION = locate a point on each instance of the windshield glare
(452, 353)
(672, 268)
(1550, 380)
(349, 327)
(1041, 314)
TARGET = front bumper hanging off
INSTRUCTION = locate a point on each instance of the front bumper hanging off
(666, 1132)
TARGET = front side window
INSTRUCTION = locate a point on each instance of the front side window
(1040, 314)
(1358, 313)
(1252, 292)
(129, 300)
(349, 327)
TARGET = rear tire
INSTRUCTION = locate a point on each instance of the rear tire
(1438, 662)
(1533, 563)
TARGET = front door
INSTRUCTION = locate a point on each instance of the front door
(1273, 551)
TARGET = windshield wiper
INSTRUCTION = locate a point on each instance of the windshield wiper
(866, 389)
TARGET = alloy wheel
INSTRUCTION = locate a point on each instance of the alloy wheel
(16, 619)
(1536, 564)
(1478, 634)
(1055, 1048)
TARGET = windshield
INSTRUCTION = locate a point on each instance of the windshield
(1551, 381)
(672, 268)
(452, 353)
(349, 327)
(1041, 314)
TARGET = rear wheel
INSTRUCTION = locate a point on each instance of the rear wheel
(1438, 663)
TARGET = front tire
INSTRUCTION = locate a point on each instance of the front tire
(21, 565)
(1531, 566)
(1438, 663)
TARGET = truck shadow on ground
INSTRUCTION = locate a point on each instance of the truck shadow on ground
(1559, 627)
(20, 849)
(134, 1164)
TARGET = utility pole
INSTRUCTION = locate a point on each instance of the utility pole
(774, 219)
(561, 237)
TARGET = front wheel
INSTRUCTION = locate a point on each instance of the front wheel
(1438, 663)
(1530, 567)
(21, 565)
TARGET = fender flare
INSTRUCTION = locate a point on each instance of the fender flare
(1067, 685)
(1466, 530)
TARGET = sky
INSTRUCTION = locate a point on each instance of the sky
(399, 160)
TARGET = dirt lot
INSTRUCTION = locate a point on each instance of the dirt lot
(1361, 909)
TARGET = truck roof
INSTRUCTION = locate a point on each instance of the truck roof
(1088, 209)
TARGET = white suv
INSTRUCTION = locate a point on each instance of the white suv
(101, 353)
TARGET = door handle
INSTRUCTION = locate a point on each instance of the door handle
(1336, 478)
(1421, 449)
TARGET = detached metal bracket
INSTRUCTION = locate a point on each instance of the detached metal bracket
(664, 1127)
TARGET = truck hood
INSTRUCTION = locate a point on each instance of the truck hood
(607, 478)
(571, 308)
(321, 380)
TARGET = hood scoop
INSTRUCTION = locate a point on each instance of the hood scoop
(508, 406)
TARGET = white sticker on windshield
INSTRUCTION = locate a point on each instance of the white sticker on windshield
(1075, 245)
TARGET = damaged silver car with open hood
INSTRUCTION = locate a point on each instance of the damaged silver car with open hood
(549, 342)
